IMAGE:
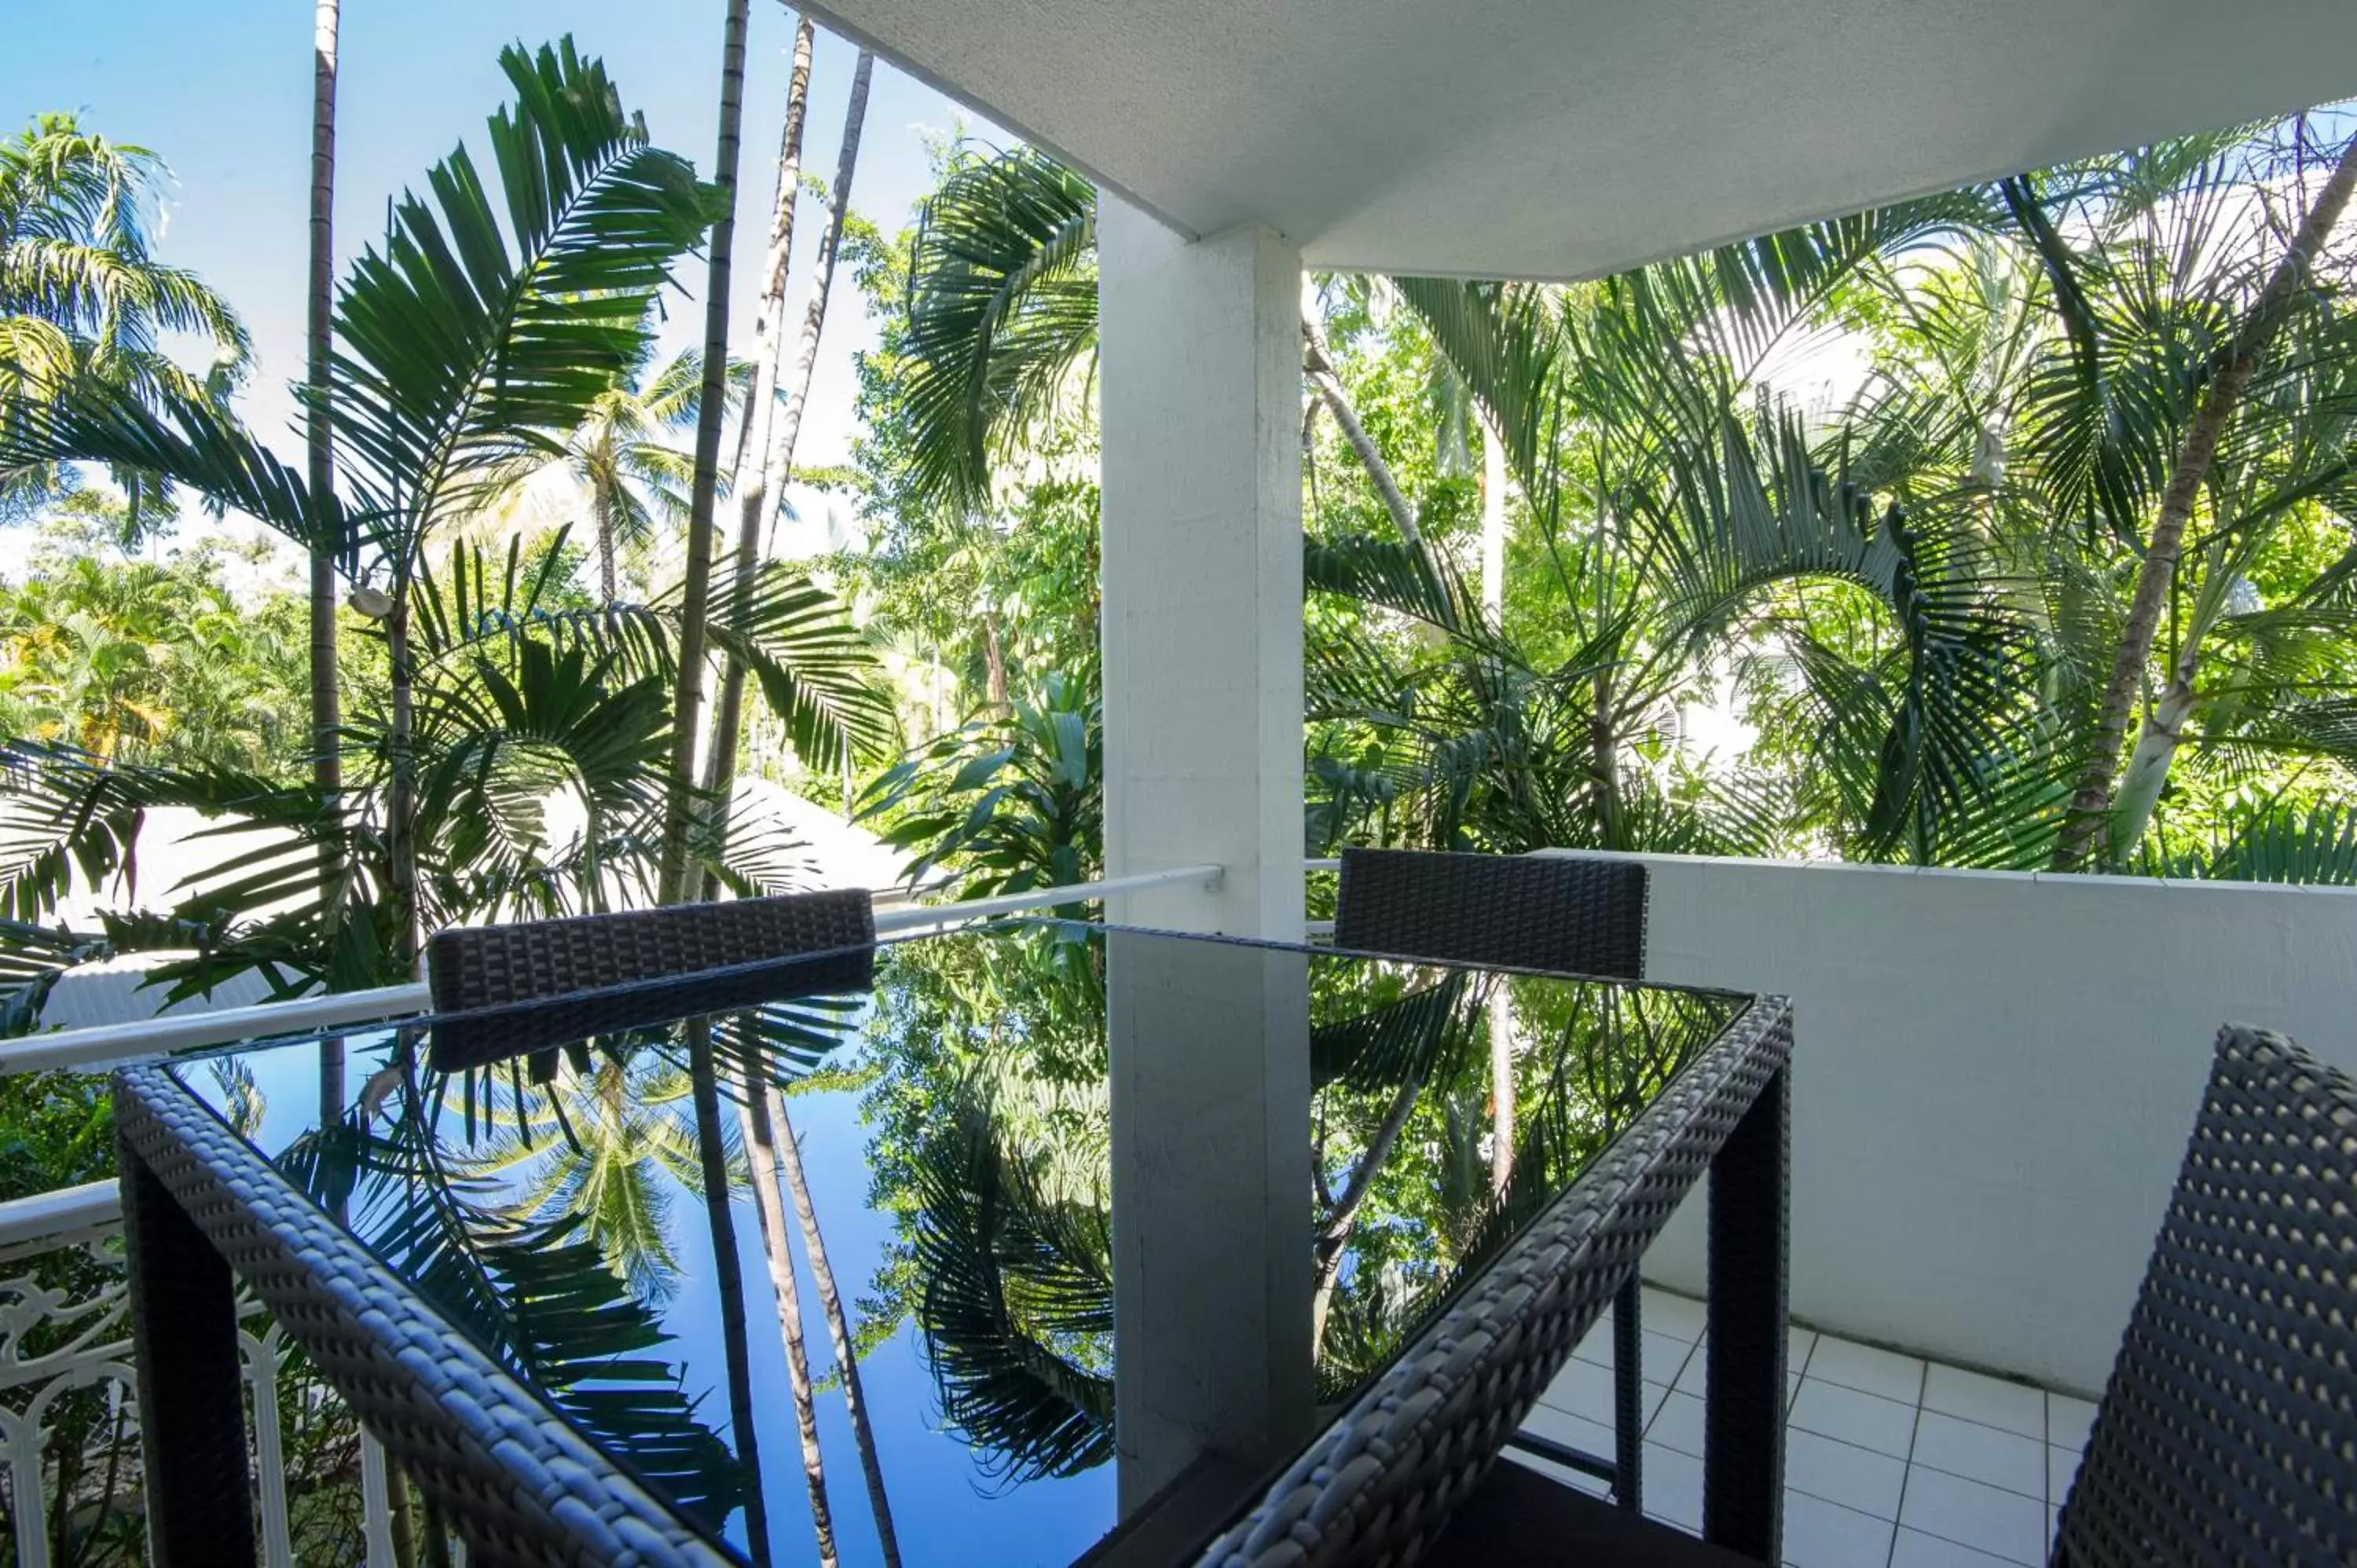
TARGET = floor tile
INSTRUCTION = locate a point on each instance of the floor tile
(1989, 1519)
(1571, 1431)
(1598, 1345)
(1695, 1377)
(1913, 1549)
(1679, 1315)
(1678, 1424)
(1992, 1401)
(1585, 1388)
(1843, 1472)
(2061, 1466)
(1562, 1475)
(1666, 1356)
(1980, 1453)
(1882, 1374)
(1829, 1410)
(1674, 1487)
(2068, 1422)
(1819, 1534)
(1663, 1357)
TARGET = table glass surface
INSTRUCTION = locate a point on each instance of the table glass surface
(953, 1126)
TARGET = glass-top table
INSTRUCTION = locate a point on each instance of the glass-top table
(907, 1304)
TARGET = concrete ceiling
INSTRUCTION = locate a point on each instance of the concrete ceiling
(1508, 138)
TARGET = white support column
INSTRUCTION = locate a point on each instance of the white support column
(1200, 380)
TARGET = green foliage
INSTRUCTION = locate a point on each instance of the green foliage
(1003, 805)
(82, 298)
(153, 662)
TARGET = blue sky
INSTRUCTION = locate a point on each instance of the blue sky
(223, 92)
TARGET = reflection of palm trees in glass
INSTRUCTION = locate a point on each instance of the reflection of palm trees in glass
(770, 1045)
(532, 1288)
(1017, 1306)
(846, 1355)
(761, 1160)
(597, 1145)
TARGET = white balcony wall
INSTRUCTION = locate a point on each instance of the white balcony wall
(1993, 1078)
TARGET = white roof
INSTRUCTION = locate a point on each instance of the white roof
(115, 991)
(1507, 138)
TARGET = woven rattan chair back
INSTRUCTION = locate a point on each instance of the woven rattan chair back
(592, 973)
(2228, 1433)
(1572, 916)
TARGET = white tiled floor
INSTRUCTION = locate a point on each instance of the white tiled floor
(1890, 1462)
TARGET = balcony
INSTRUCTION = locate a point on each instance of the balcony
(1983, 1145)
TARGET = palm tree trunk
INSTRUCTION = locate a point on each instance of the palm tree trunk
(1318, 363)
(838, 1327)
(773, 452)
(830, 244)
(401, 804)
(326, 766)
(1334, 1236)
(695, 592)
(2087, 832)
(994, 660)
(608, 578)
(756, 430)
(728, 1281)
(1493, 525)
(1501, 1088)
(758, 1113)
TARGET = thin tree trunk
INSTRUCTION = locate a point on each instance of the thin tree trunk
(1324, 380)
(838, 1325)
(756, 431)
(758, 1115)
(994, 660)
(830, 244)
(2086, 833)
(327, 714)
(774, 451)
(1334, 1236)
(1493, 525)
(728, 1283)
(1501, 1088)
(695, 592)
(401, 805)
(609, 577)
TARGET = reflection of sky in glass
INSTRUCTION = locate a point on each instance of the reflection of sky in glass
(1588, 1068)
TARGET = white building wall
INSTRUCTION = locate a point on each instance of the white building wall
(1993, 1078)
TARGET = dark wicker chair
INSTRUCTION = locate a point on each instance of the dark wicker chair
(2228, 1433)
(538, 984)
(1566, 915)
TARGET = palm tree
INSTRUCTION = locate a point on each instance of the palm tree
(82, 297)
(704, 489)
(463, 339)
(2110, 808)
(1003, 315)
(774, 449)
(620, 458)
(320, 468)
